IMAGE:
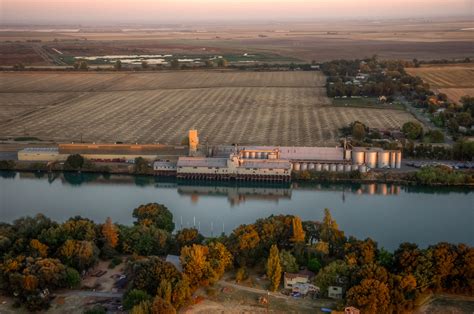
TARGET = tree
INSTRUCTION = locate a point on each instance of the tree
(174, 64)
(161, 306)
(74, 162)
(110, 233)
(412, 130)
(81, 65)
(134, 297)
(118, 65)
(196, 266)
(358, 130)
(298, 232)
(188, 236)
(144, 240)
(222, 63)
(436, 136)
(330, 233)
(359, 252)
(370, 296)
(145, 65)
(314, 265)
(330, 274)
(39, 248)
(154, 214)
(274, 268)
(141, 166)
(288, 262)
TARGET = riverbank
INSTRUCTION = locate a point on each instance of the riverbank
(429, 176)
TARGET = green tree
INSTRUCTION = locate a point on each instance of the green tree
(412, 130)
(118, 65)
(74, 162)
(329, 275)
(154, 214)
(274, 268)
(358, 130)
(288, 262)
(141, 166)
(188, 236)
(314, 265)
(134, 297)
(174, 64)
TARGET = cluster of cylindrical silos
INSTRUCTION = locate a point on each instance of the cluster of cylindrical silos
(377, 158)
(246, 154)
(333, 167)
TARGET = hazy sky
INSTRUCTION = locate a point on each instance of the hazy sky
(165, 11)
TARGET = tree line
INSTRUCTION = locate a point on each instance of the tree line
(40, 255)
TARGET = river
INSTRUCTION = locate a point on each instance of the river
(389, 214)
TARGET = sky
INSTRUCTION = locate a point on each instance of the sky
(168, 11)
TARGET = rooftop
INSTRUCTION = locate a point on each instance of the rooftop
(202, 162)
(125, 149)
(40, 149)
(266, 164)
(304, 153)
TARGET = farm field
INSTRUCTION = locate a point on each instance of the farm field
(273, 108)
(454, 80)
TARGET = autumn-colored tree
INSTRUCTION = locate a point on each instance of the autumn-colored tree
(79, 228)
(330, 274)
(330, 233)
(248, 237)
(195, 264)
(298, 232)
(144, 307)
(110, 233)
(39, 248)
(134, 297)
(30, 283)
(371, 271)
(402, 293)
(274, 269)
(161, 306)
(164, 290)
(370, 296)
(219, 258)
(360, 252)
(443, 258)
(188, 236)
(182, 293)
(79, 254)
(154, 214)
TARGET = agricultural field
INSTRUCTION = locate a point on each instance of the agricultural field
(273, 108)
(454, 80)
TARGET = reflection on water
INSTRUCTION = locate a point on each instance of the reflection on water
(388, 213)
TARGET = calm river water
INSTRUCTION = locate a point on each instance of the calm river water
(389, 214)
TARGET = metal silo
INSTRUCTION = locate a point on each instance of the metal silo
(325, 167)
(358, 157)
(371, 159)
(246, 154)
(393, 157)
(304, 166)
(347, 168)
(296, 166)
(354, 167)
(399, 160)
(332, 167)
(310, 166)
(318, 167)
(252, 155)
(383, 159)
(363, 168)
(340, 168)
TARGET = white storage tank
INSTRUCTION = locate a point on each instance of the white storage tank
(383, 159)
(246, 154)
(347, 154)
(399, 160)
(304, 166)
(310, 166)
(393, 157)
(258, 155)
(318, 167)
(347, 168)
(332, 167)
(264, 155)
(358, 157)
(363, 168)
(325, 167)
(340, 167)
(252, 155)
(296, 166)
(354, 167)
(371, 159)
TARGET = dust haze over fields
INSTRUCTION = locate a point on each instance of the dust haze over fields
(152, 11)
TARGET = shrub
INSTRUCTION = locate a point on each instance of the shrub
(114, 262)
(314, 265)
(241, 274)
(96, 309)
(7, 164)
(74, 162)
(135, 297)
(412, 130)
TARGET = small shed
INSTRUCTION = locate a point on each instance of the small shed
(335, 292)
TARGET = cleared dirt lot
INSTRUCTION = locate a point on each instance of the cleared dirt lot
(454, 80)
(279, 108)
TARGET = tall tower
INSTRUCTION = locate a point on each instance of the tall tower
(193, 141)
